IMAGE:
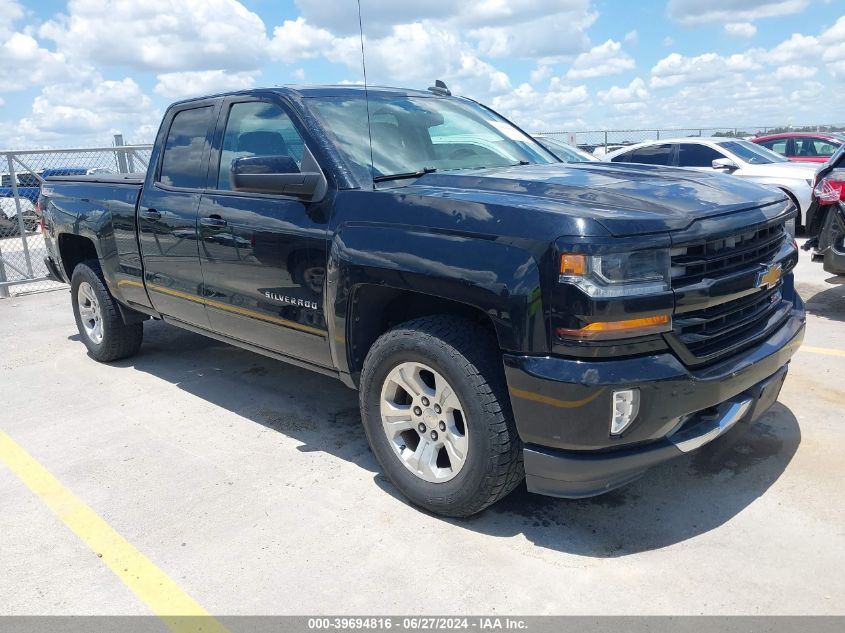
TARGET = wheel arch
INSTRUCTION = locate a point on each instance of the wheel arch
(75, 249)
(794, 199)
(381, 276)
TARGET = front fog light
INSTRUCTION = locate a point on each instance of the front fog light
(626, 406)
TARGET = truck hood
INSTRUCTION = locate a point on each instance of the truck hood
(625, 199)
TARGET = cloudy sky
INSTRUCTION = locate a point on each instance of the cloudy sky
(75, 72)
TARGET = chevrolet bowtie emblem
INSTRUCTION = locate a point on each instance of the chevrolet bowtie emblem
(769, 276)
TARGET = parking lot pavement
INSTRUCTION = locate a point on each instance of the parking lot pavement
(249, 483)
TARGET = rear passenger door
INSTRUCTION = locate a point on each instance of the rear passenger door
(167, 212)
(263, 255)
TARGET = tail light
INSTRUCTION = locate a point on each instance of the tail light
(828, 191)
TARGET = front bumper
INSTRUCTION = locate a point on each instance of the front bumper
(562, 409)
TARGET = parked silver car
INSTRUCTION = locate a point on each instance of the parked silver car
(564, 151)
(731, 156)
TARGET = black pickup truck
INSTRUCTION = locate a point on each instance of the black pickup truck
(502, 314)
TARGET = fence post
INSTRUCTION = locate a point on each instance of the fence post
(605, 141)
(658, 134)
(4, 290)
(14, 182)
(120, 155)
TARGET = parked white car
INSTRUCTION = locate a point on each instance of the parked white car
(731, 156)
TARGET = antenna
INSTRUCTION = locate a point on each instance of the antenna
(439, 88)
(366, 92)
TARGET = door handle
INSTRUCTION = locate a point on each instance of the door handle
(150, 214)
(213, 221)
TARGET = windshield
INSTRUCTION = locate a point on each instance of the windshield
(565, 151)
(752, 153)
(412, 134)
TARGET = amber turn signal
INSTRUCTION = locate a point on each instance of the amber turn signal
(628, 327)
(571, 264)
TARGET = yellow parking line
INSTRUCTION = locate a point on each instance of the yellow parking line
(155, 588)
(823, 350)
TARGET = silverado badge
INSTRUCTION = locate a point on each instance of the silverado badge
(769, 276)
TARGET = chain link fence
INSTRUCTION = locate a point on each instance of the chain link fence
(22, 248)
(599, 142)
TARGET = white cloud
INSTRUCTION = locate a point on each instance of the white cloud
(160, 35)
(630, 97)
(88, 113)
(632, 36)
(676, 69)
(202, 82)
(792, 72)
(833, 41)
(296, 39)
(541, 73)
(560, 105)
(25, 63)
(12, 11)
(668, 41)
(741, 29)
(694, 12)
(437, 53)
(515, 21)
(795, 49)
(599, 61)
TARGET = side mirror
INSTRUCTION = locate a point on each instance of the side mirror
(725, 163)
(275, 174)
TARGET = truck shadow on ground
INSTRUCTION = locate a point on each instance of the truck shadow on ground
(827, 304)
(670, 504)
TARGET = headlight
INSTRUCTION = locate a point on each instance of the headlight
(617, 274)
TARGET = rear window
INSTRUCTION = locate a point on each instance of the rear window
(182, 162)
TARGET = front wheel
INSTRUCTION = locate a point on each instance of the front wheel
(98, 317)
(437, 415)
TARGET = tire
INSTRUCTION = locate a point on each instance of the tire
(98, 317)
(454, 354)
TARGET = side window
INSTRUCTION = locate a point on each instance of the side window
(777, 145)
(257, 128)
(652, 155)
(823, 147)
(624, 157)
(695, 155)
(181, 163)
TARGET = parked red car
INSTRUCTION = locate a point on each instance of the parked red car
(807, 147)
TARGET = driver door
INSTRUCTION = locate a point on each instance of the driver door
(263, 256)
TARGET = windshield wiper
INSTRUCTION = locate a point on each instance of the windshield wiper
(407, 174)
